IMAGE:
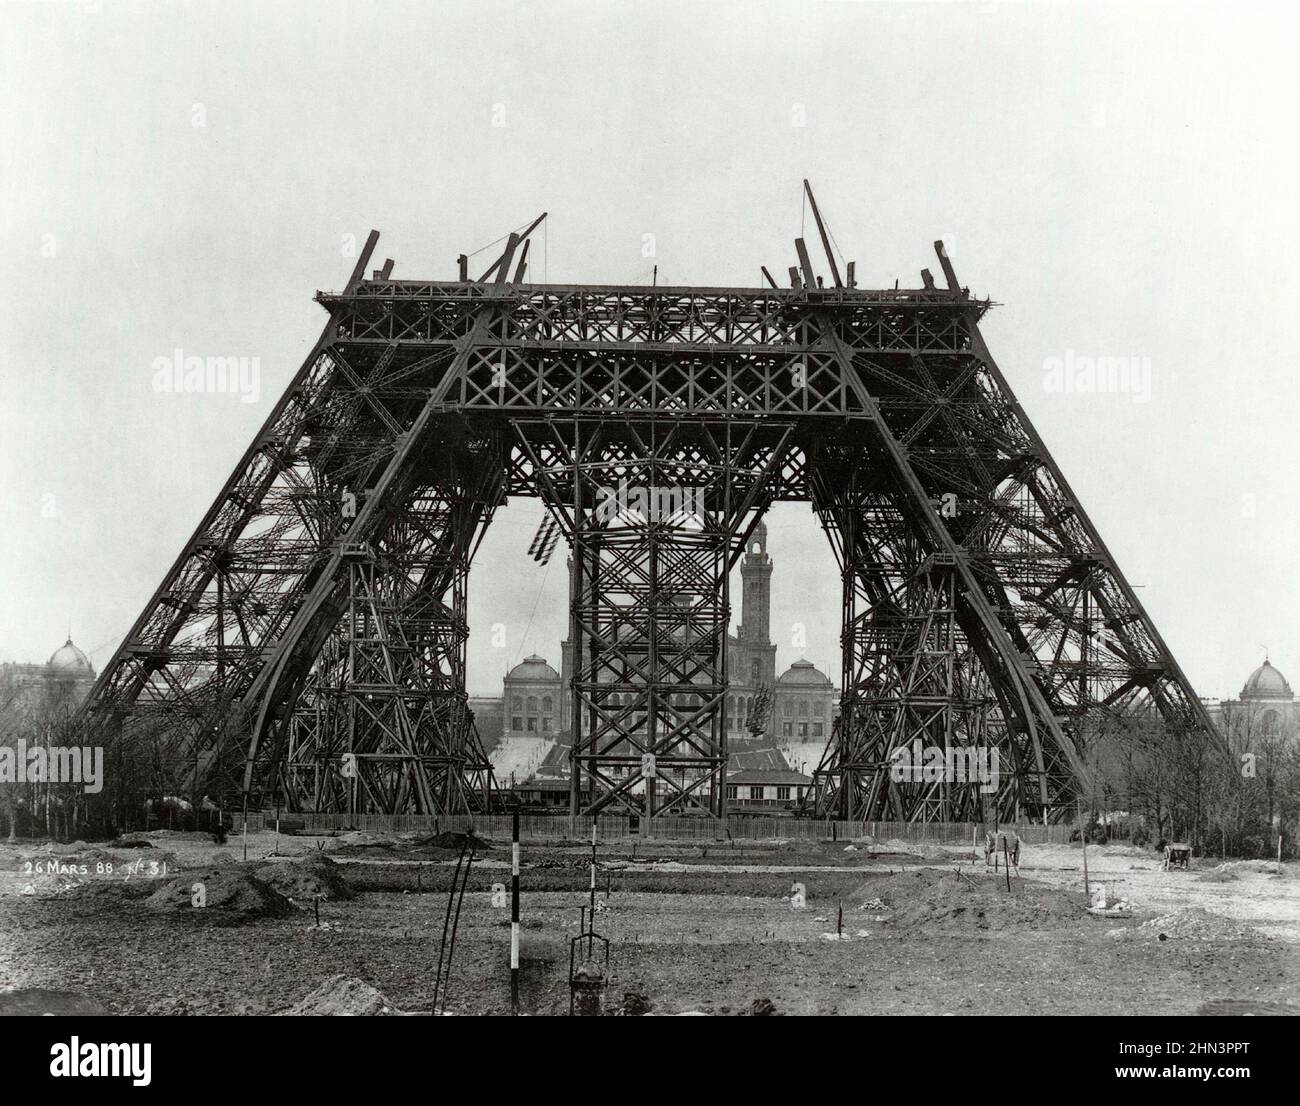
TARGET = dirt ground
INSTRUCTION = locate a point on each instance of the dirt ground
(692, 928)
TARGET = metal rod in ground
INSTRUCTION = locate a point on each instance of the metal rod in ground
(514, 914)
(245, 826)
(592, 913)
(455, 925)
(1006, 856)
(446, 924)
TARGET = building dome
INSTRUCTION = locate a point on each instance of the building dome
(1266, 682)
(68, 660)
(532, 668)
(803, 673)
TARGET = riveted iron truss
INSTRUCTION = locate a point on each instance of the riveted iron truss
(308, 645)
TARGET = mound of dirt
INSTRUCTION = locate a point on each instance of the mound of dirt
(228, 893)
(1237, 1008)
(357, 838)
(452, 842)
(344, 996)
(435, 846)
(895, 846)
(1238, 867)
(1217, 875)
(113, 891)
(1122, 849)
(1192, 923)
(933, 898)
(38, 1001)
(309, 877)
(63, 848)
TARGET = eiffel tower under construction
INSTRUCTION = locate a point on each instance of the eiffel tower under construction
(308, 645)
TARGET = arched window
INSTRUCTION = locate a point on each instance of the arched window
(517, 702)
(547, 706)
(803, 708)
(532, 702)
(755, 671)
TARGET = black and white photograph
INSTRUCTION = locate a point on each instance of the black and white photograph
(601, 508)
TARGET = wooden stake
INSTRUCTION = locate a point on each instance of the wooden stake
(593, 871)
(514, 910)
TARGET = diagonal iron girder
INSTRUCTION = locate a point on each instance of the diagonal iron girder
(980, 604)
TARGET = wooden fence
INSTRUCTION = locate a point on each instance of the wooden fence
(543, 827)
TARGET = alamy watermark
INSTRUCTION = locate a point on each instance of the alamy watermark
(654, 504)
(1080, 374)
(919, 763)
(241, 376)
(81, 764)
(91, 1059)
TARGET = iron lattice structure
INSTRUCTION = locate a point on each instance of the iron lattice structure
(309, 642)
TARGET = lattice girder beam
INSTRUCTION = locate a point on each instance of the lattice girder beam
(1008, 613)
(650, 611)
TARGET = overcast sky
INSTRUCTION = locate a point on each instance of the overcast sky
(1121, 179)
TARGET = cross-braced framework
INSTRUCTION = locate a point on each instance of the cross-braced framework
(650, 584)
(308, 646)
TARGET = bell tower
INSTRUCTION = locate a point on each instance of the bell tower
(756, 590)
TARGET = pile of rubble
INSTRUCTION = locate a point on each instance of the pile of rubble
(345, 996)
(951, 899)
(306, 878)
(225, 894)
(1192, 923)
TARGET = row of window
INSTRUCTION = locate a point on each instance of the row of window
(756, 793)
(517, 704)
(736, 706)
(545, 724)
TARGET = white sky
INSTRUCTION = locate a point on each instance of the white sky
(1121, 178)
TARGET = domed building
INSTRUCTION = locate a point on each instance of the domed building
(532, 698)
(1265, 684)
(69, 662)
(1266, 705)
(804, 703)
(61, 683)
